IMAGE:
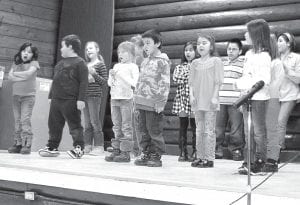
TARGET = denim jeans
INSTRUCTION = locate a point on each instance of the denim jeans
(206, 134)
(92, 124)
(121, 114)
(22, 108)
(258, 131)
(149, 126)
(60, 112)
(229, 114)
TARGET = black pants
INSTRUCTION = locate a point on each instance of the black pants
(60, 112)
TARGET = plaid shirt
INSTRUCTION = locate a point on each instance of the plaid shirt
(182, 98)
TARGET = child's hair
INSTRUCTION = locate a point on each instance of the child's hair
(237, 42)
(128, 46)
(137, 40)
(274, 48)
(289, 38)
(189, 43)
(154, 35)
(98, 54)
(211, 39)
(18, 57)
(259, 32)
(74, 41)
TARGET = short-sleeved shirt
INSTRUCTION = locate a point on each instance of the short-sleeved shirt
(204, 77)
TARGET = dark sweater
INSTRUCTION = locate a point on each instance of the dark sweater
(70, 79)
(95, 88)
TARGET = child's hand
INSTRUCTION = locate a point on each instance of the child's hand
(80, 105)
(214, 101)
(192, 100)
(112, 73)
(92, 70)
(159, 107)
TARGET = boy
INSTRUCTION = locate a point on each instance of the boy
(150, 98)
(67, 96)
(228, 94)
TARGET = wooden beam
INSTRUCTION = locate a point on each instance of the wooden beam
(50, 4)
(134, 3)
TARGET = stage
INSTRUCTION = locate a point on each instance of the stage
(91, 180)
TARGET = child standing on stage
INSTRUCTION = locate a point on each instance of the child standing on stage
(122, 80)
(23, 75)
(206, 77)
(233, 70)
(150, 99)
(67, 95)
(94, 139)
(257, 67)
(182, 106)
(289, 93)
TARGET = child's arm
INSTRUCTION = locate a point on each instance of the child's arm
(293, 75)
(34, 66)
(191, 82)
(100, 73)
(83, 84)
(219, 76)
(111, 77)
(13, 78)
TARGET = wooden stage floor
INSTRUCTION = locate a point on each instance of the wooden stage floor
(174, 182)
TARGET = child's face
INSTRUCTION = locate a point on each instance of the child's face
(91, 50)
(149, 46)
(65, 50)
(26, 54)
(189, 53)
(248, 39)
(283, 46)
(233, 51)
(203, 46)
(124, 56)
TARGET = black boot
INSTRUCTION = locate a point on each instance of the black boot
(184, 122)
(193, 156)
(143, 159)
(115, 152)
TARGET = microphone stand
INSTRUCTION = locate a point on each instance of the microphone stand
(249, 120)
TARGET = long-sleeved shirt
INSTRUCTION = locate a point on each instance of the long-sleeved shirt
(95, 88)
(70, 80)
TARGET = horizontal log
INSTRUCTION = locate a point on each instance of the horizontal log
(53, 4)
(223, 33)
(29, 10)
(236, 17)
(134, 3)
(27, 21)
(190, 8)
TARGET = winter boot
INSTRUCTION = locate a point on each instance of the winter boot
(115, 152)
(155, 160)
(123, 157)
(15, 148)
(26, 145)
(143, 159)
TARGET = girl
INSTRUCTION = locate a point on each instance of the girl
(122, 80)
(94, 139)
(23, 75)
(206, 76)
(182, 106)
(257, 67)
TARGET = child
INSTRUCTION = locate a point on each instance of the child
(277, 74)
(97, 80)
(150, 99)
(67, 95)
(122, 80)
(23, 75)
(206, 77)
(181, 105)
(233, 70)
(257, 67)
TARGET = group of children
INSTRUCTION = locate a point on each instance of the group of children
(207, 87)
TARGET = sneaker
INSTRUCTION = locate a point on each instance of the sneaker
(258, 166)
(196, 162)
(87, 149)
(97, 151)
(48, 152)
(206, 164)
(143, 159)
(26, 150)
(123, 157)
(115, 153)
(15, 149)
(243, 170)
(76, 153)
(237, 155)
(270, 166)
(155, 160)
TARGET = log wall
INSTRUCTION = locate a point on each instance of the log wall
(180, 21)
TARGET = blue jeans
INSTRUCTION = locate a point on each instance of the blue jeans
(121, 113)
(258, 131)
(92, 124)
(236, 136)
(149, 126)
(22, 108)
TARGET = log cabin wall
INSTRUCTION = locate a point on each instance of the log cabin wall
(180, 21)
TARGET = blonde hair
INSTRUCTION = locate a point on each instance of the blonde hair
(128, 46)
(98, 54)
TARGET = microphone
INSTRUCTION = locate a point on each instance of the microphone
(256, 87)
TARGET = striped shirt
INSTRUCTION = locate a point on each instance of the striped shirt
(95, 88)
(233, 70)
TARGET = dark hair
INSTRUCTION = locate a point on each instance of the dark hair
(259, 32)
(154, 35)
(74, 41)
(194, 45)
(211, 39)
(274, 48)
(237, 42)
(18, 57)
(289, 38)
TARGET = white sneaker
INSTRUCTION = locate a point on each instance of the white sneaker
(97, 151)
